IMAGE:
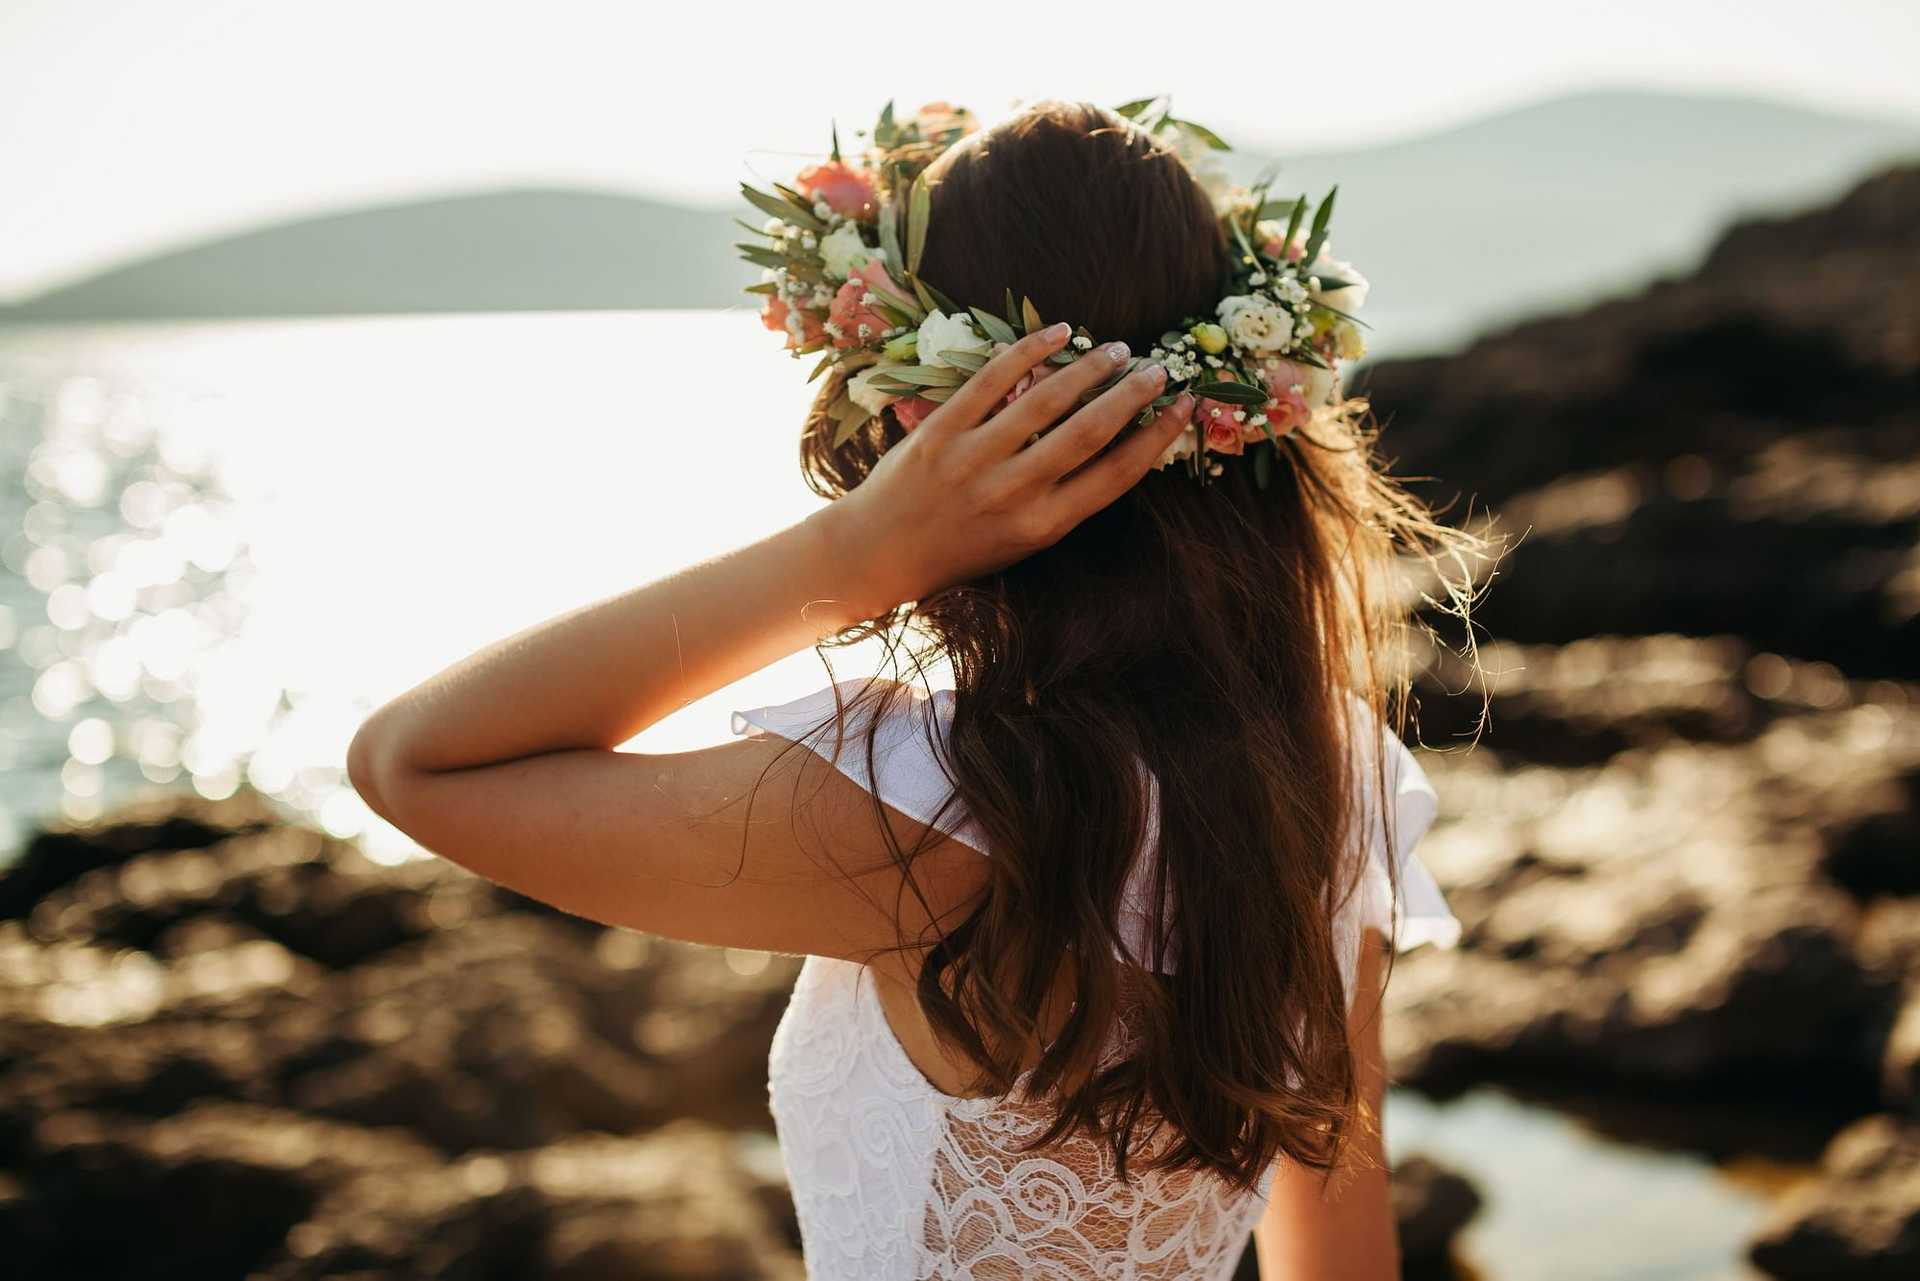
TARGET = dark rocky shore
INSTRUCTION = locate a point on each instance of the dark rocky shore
(233, 1047)
(1687, 857)
(1687, 852)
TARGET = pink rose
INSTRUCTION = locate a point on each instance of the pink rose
(774, 316)
(1223, 433)
(1285, 407)
(1292, 251)
(849, 312)
(845, 190)
(912, 410)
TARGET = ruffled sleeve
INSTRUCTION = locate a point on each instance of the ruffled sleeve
(1423, 914)
(908, 772)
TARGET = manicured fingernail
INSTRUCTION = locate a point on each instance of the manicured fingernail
(1116, 352)
(1058, 333)
(1183, 404)
(1156, 374)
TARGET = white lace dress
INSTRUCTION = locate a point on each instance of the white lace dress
(894, 1180)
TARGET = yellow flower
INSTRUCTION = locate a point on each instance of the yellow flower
(1212, 339)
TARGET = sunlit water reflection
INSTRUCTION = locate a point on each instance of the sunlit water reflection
(224, 545)
(227, 543)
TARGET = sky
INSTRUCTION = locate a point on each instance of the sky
(128, 126)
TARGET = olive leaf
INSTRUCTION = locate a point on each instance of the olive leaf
(890, 232)
(972, 361)
(925, 295)
(919, 208)
(761, 256)
(792, 210)
(1318, 236)
(762, 287)
(927, 376)
(947, 304)
(995, 328)
(894, 314)
(1293, 222)
(1030, 316)
(1230, 393)
(1201, 132)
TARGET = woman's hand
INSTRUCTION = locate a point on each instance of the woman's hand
(965, 494)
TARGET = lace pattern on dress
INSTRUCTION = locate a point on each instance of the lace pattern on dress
(873, 1147)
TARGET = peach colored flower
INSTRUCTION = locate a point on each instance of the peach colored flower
(1223, 433)
(774, 316)
(845, 190)
(912, 410)
(1285, 407)
(849, 312)
(1292, 251)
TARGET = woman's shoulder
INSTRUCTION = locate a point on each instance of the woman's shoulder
(907, 723)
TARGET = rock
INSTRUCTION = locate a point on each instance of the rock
(225, 1189)
(1431, 1204)
(1727, 454)
(258, 1053)
(1889, 947)
(1859, 1220)
(211, 1192)
(64, 852)
(1671, 913)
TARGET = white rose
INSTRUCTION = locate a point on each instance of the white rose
(1257, 325)
(1349, 298)
(941, 333)
(845, 253)
(862, 392)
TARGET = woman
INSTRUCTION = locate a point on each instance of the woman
(1095, 938)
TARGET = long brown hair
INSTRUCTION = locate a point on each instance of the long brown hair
(1219, 636)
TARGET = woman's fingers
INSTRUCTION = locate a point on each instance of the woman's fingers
(980, 395)
(1106, 478)
(1088, 430)
(1046, 402)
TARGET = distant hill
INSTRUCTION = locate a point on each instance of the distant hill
(518, 250)
(1574, 198)
(1543, 205)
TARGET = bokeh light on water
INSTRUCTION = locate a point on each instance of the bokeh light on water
(226, 544)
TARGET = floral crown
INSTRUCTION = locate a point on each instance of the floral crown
(841, 277)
